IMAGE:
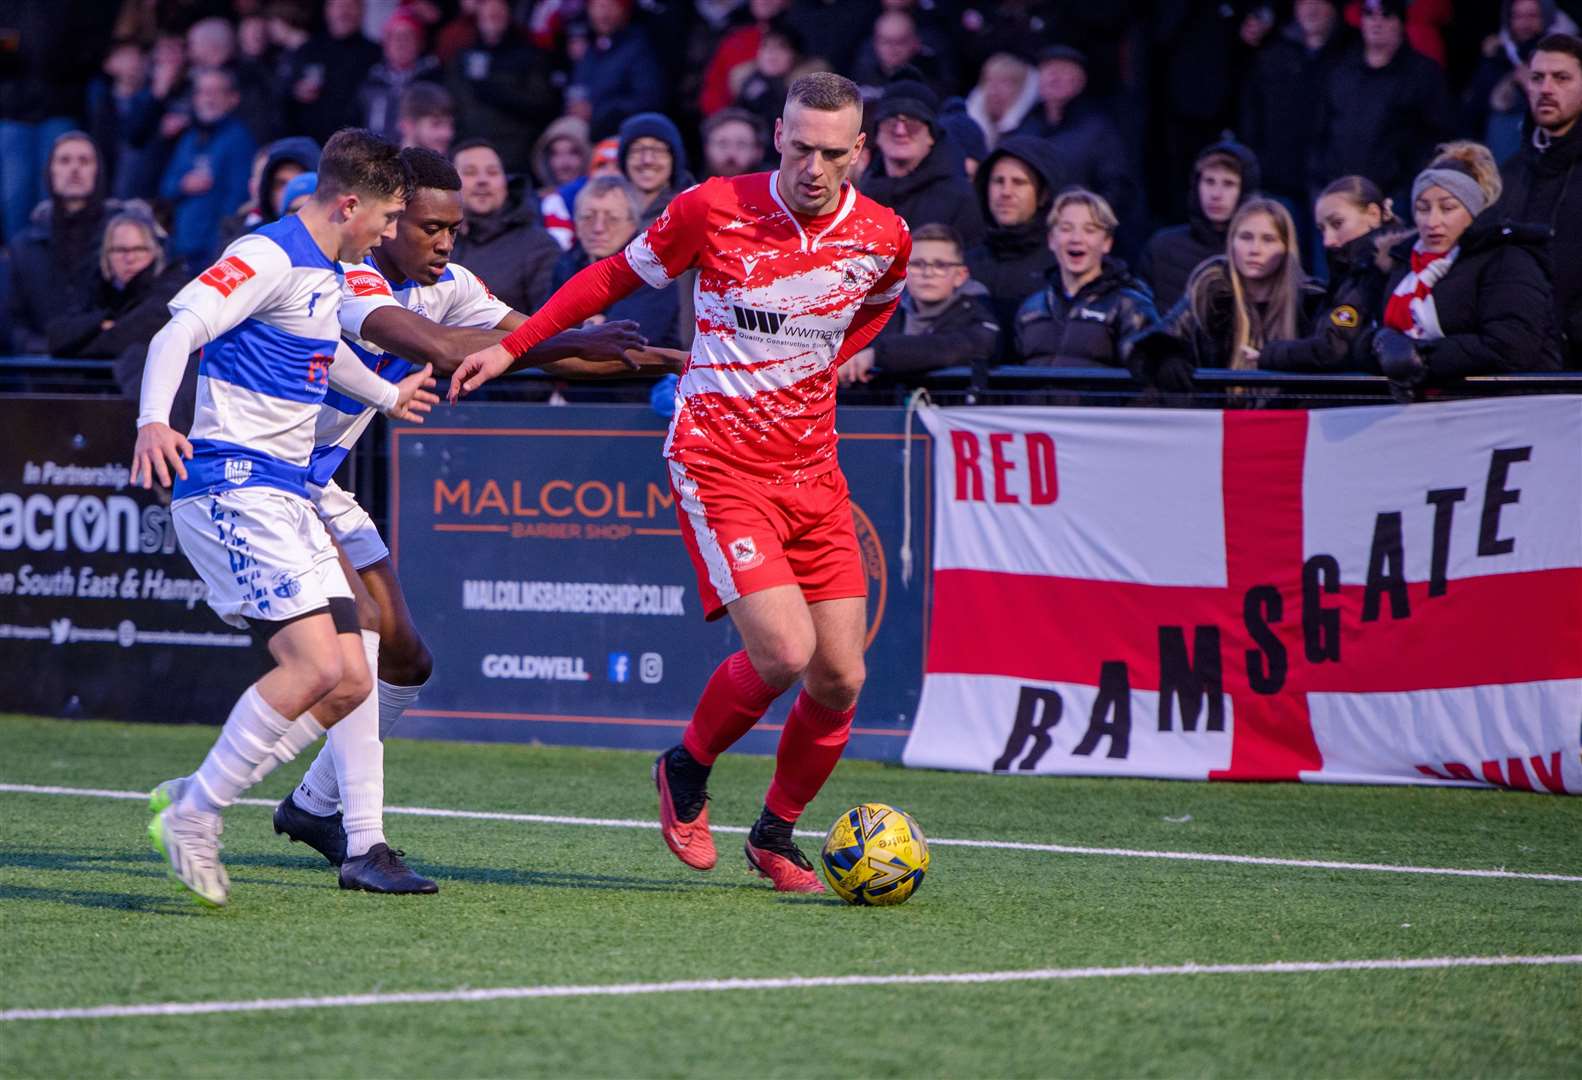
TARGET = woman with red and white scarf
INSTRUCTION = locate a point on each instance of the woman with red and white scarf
(1470, 295)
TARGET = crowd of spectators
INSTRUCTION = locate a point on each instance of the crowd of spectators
(1162, 185)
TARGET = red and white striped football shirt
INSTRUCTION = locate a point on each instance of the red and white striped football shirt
(775, 295)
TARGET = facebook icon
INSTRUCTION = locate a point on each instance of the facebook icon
(620, 667)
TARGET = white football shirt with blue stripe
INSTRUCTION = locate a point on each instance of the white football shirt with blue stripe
(459, 298)
(271, 309)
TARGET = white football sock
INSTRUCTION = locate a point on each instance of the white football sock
(320, 790)
(360, 766)
(298, 737)
(247, 738)
(320, 793)
(393, 701)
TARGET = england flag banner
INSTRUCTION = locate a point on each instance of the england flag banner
(1369, 595)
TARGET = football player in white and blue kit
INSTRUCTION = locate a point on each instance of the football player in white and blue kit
(407, 304)
(266, 316)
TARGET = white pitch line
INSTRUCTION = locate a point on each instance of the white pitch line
(997, 845)
(815, 982)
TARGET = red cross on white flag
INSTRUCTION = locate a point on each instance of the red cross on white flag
(1375, 595)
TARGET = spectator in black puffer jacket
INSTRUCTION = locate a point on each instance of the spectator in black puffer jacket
(943, 320)
(1358, 228)
(1543, 183)
(1235, 304)
(916, 173)
(1223, 177)
(1471, 295)
(1091, 305)
(1015, 190)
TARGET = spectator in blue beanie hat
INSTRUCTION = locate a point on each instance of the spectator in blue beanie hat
(653, 158)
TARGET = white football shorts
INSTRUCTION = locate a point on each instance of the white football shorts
(351, 526)
(263, 553)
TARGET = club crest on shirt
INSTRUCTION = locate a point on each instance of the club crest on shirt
(745, 554)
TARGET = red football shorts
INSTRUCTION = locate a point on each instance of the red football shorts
(746, 535)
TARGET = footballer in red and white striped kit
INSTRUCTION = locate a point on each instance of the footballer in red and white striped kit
(797, 271)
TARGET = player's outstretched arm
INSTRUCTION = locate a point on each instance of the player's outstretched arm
(589, 292)
(423, 341)
(649, 361)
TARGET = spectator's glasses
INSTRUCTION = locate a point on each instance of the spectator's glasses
(909, 124)
(602, 217)
(135, 250)
(931, 267)
(642, 153)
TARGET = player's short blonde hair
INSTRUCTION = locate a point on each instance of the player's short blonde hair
(825, 91)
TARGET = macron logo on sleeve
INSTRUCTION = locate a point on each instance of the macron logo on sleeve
(227, 275)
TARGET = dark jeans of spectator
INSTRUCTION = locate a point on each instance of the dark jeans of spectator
(24, 151)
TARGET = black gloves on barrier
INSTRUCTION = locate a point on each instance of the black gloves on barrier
(1401, 363)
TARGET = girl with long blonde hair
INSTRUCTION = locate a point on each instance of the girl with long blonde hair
(1235, 304)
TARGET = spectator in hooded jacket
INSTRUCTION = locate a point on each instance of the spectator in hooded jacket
(619, 74)
(1382, 109)
(1471, 294)
(913, 173)
(561, 158)
(943, 319)
(1358, 228)
(208, 170)
(1543, 183)
(1088, 150)
(1279, 107)
(501, 239)
(53, 259)
(403, 63)
(1223, 177)
(1090, 306)
(501, 85)
(654, 159)
(1015, 188)
(1235, 304)
(274, 166)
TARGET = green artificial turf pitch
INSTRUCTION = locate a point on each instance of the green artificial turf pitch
(89, 919)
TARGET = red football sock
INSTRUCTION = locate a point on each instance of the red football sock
(814, 737)
(734, 700)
